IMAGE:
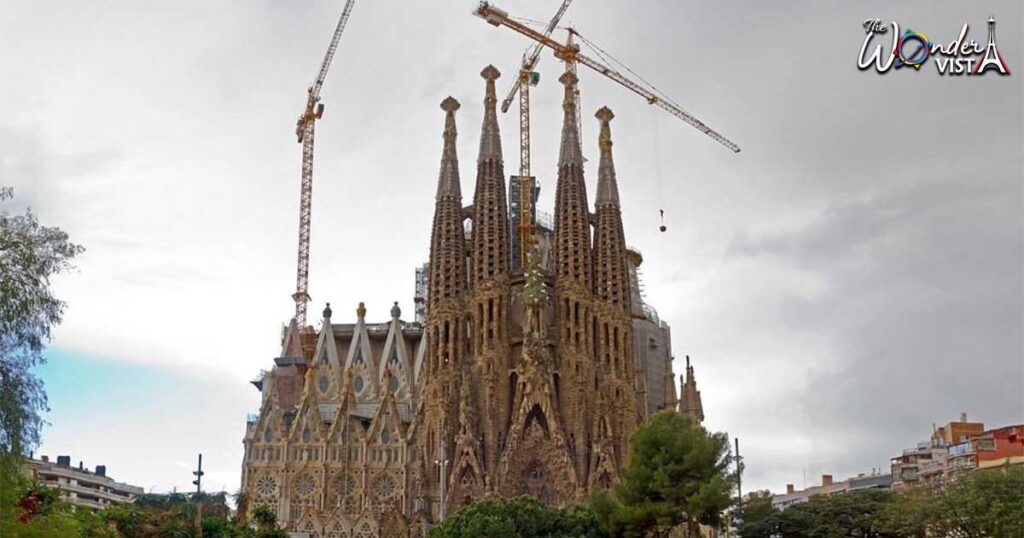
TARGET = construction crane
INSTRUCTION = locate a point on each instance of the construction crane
(528, 77)
(304, 131)
(570, 54)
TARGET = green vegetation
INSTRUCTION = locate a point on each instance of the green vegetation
(29, 510)
(30, 254)
(520, 517)
(677, 474)
(983, 503)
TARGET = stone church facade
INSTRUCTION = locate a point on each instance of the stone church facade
(520, 381)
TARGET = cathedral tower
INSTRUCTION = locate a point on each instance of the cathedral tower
(614, 330)
(445, 327)
(575, 379)
(489, 300)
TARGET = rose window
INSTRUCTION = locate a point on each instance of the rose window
(304, 485)
(384, 494)
(266, 485)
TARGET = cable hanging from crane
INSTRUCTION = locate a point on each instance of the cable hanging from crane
(571, 55)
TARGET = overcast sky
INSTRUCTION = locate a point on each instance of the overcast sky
(850, 278)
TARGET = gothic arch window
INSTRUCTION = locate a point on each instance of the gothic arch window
(359, 383)
(393, 383)
(268, 436)
(343, 492)
(385, 436)
(324, 383)
(307, 435)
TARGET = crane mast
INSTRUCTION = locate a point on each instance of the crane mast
(305, 129)
(521, 85)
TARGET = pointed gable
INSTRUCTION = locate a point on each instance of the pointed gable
(386, 427)
(361, 362)
(344, 427)
(291, 341)
(395, 360)
(270, 427)
(308, 426)
(326, 383)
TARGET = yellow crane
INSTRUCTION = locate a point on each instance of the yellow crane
(304, 131)
(570, 54)
(528, 77)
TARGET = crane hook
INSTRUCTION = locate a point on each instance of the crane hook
(663, 228)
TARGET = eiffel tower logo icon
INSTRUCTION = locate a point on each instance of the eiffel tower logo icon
(992, 57)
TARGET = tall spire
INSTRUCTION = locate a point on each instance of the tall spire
(490, 208)
(490, 283)
(448, 182)
(447, 244)
(490, 138)
(689, 397)
(607, 188)
(611, 275)
(570, 152)
(572, 217)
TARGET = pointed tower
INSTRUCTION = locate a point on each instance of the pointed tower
(489, 302)
(614, 339)
(575, 375)
(445, 328)
(689, 396)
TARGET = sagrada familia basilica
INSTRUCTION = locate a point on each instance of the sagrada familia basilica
(518, 380)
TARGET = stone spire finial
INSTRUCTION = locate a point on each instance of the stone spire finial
(607, 187)
(395, 311)
(327, 311)
(570, 152)
(490, 73)
(490, 137)
(448, 182)
(361, 310)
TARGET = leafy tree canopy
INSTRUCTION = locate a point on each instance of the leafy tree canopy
(30, 254)
(520, 517)
(677, 472)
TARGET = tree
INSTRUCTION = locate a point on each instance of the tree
(987, 502)
(677, 472)
(30, 254)
(855, 513)
(757, 515)
(519, 517)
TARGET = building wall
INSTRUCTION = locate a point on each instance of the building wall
(80, 486)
